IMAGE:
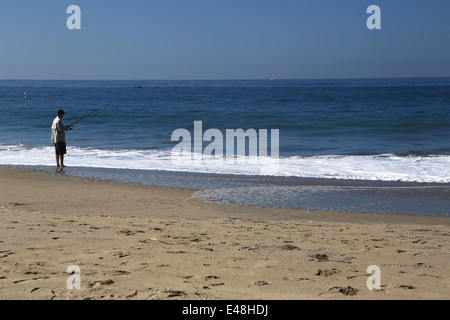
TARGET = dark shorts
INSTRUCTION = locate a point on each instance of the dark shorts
(60, 148)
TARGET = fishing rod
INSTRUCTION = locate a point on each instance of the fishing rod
(89, 114)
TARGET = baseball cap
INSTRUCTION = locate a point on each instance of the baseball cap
(60, 111)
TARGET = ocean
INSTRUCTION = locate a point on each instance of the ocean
(364, 145)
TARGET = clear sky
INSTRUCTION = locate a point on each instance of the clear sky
(224, 39)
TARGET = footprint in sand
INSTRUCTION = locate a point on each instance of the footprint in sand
(289, 247)
(406, 286)
(326, 272)
(348, 291)
(98, 284)
(175, 293)
(6, 253)
(319, 257)
(260, 283)
(16, 204)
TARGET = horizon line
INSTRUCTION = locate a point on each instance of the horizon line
(230, 79)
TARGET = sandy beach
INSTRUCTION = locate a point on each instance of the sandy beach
(139, 242)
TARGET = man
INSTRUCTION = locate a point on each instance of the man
(59, 139)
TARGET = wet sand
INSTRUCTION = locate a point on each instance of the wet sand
(140, 242)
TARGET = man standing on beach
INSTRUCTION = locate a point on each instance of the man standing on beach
(59, 139)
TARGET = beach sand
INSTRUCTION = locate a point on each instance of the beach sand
(140, 242)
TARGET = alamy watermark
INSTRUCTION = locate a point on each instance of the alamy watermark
(74, 20)
(374, 21)
(253, 147)
(73, 281)
(374, 281)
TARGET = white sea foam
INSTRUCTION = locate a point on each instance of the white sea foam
(386, 167)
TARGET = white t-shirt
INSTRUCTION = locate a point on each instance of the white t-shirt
(58, 131)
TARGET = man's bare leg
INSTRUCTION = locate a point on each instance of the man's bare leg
(57, 162)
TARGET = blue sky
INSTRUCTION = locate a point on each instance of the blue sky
(224, 39)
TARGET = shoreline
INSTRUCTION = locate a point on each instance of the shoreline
(295, 193)
(144, 242)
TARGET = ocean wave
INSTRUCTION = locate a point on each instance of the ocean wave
(410, 166)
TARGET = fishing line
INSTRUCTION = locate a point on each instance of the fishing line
(91, 113)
